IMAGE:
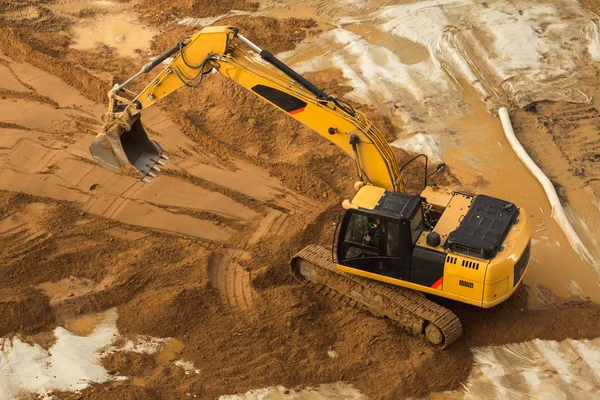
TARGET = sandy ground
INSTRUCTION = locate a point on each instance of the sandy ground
(201, 254)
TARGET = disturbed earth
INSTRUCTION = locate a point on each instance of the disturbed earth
(181, 288)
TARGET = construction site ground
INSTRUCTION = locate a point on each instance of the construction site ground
(201, 255)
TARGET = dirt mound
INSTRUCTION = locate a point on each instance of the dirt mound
(66, 244)
(14, 46)
(24, 311)
(169, 312)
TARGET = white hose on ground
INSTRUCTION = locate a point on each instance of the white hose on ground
(557, 210)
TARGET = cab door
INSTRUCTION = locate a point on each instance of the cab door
(396, 264)
(373, 244)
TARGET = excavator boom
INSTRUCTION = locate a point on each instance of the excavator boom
(124, 145)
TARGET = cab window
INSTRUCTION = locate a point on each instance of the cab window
(363, 236)
(393, 239)
(416, 226)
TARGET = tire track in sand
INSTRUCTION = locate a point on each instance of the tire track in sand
(233, 282)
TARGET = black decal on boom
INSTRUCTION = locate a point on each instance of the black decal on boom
(281, 99)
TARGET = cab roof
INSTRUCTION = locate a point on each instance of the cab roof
(386, 202)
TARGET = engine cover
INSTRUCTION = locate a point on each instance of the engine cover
(483, 228)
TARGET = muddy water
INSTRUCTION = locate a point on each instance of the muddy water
(408, 51)
(85, 325)
(120, 31)
(103, 22)
(170, 352)
(66, 288)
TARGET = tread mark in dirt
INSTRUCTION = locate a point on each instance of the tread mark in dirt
(233, 282)
(269, 226)
(23, 235)
(575, 132)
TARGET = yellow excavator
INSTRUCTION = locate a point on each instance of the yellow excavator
(391, 248)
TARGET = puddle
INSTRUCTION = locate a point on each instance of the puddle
(138, 382)
(112, 23)
(408, 52)
(170, 352)
(66, 288)
(84, 325)
(120, 31)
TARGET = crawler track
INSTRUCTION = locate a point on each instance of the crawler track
(413, 311)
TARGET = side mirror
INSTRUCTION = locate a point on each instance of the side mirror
(439, 168)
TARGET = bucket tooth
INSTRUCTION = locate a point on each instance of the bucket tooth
(154, 167)
(164, 157)
(146, 180)
(151, 174)
(162, 164)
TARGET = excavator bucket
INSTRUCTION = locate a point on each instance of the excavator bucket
(128, 151)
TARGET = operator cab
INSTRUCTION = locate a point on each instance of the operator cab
(385, 236)
(381, 240)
